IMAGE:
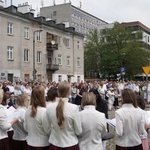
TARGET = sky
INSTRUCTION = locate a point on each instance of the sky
(106, 10)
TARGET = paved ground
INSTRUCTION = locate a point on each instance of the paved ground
(110, 144)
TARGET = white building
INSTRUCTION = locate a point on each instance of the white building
(72, 16)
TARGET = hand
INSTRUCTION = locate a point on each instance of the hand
(147, 127)
(14, 121)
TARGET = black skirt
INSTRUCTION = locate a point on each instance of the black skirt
(16, 145)
(139, 147)
(53, 147)
(4, 144)
(37, 148)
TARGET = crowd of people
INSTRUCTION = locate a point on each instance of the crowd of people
(72, 116)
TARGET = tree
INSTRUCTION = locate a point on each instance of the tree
(93, 52)
(115, 48)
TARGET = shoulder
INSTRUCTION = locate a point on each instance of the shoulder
(72, 106)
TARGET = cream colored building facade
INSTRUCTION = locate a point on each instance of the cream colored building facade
(59, 51)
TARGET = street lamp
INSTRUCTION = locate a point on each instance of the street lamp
(34, 70)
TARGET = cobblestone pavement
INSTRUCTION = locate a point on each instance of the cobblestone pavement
(110, 144)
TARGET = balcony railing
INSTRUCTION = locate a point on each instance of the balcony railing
(51, 47)
(52, 67)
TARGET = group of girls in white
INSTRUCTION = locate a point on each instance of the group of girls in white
(59, 125)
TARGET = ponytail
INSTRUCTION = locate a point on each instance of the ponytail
(60, 114)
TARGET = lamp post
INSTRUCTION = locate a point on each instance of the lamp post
(34, 70)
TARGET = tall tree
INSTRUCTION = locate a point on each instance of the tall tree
(113, 49)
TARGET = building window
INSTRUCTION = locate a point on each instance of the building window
(68, 60)
(68, 42)
(38, 36)
(26, 55)
(26, 33)
(78, 44)
(38, 57)
(59, 78)
(10, 52)
(59, 60)
(10, 28)
(78, 61)
(54, 13)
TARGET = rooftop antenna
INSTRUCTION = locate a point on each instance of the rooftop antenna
(64, 1)
(80, 5)
(69, 1)
(5, 3)
(11, 2)
(54, 2)
(42, 3)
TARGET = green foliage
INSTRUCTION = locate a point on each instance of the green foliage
(115, 48)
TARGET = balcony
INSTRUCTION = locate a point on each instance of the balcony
(52, 67)
(51, 47)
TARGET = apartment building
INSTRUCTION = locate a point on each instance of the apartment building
(138, 26)
(72, 16)
(33, 48)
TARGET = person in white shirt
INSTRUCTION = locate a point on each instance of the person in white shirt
(142, 105)
(92, 124)
(60, 117)
(4, 126)
(37, 138)
(129, 123)
(111, 98)
(20, 134)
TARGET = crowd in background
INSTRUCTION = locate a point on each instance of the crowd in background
(50, 114)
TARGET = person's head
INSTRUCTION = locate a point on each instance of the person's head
(88, 98)
(64, 89)
(22, 100)
(12, 96)
(6, 99)
(141, 102)
(52, 94)
(37, 99)
(129, 97)
(1, 95)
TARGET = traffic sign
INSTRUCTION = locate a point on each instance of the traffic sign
(122, 70)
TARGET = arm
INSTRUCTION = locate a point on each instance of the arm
(46, 123)
(119, 124)
(141, 126)
(4, 124)
(77, 123)
(78, 91)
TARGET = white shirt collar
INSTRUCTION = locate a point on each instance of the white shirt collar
(89, 107)
(63, 99)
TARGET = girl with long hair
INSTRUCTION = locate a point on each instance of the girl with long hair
(129, 123)
(37, 139)
(60, 116)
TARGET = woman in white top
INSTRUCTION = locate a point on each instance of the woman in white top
(4, 126)
(129, 123)
(60, 116)
(37, 139)
(5, 102)
(92, 124)
(20, 135)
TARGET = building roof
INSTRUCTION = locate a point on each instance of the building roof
(12, 10)
(79, 9)
(136, 23)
